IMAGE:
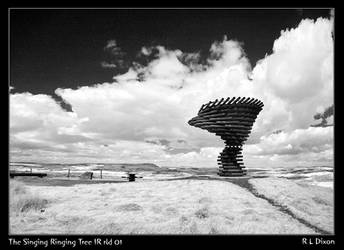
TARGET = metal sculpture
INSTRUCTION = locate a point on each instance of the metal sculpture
(231, 119)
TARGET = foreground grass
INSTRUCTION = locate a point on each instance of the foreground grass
(24, 201)
(311, 203)
(152, 207)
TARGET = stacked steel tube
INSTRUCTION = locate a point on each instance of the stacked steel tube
(231, 119)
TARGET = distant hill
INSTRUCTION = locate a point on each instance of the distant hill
(105, 166)
(129, 167)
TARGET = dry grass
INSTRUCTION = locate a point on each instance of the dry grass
(23, 201)
(154, 207)
(311, 203)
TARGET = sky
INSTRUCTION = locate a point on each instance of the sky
(119, 85)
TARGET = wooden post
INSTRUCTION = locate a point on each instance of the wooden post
(101, 174)
(68, 173)
(31, 170)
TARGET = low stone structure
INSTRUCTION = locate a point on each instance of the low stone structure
(87, 175)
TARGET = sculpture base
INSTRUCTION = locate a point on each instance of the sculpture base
(230, 161)
(232, 174)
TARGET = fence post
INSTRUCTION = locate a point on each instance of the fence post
(101, 174)
(68, 173)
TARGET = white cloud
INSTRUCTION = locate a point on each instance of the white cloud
(312, 139)
(37, 121)
(294, 82)
(300, 71)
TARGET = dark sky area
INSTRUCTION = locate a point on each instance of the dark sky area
(61, 48)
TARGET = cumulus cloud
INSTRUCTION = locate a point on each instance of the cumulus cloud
(143, 114)
(295, 142)
(299, 73)
(38, 122)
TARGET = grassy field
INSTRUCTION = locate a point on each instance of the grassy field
(147, 207)
(311, 203)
